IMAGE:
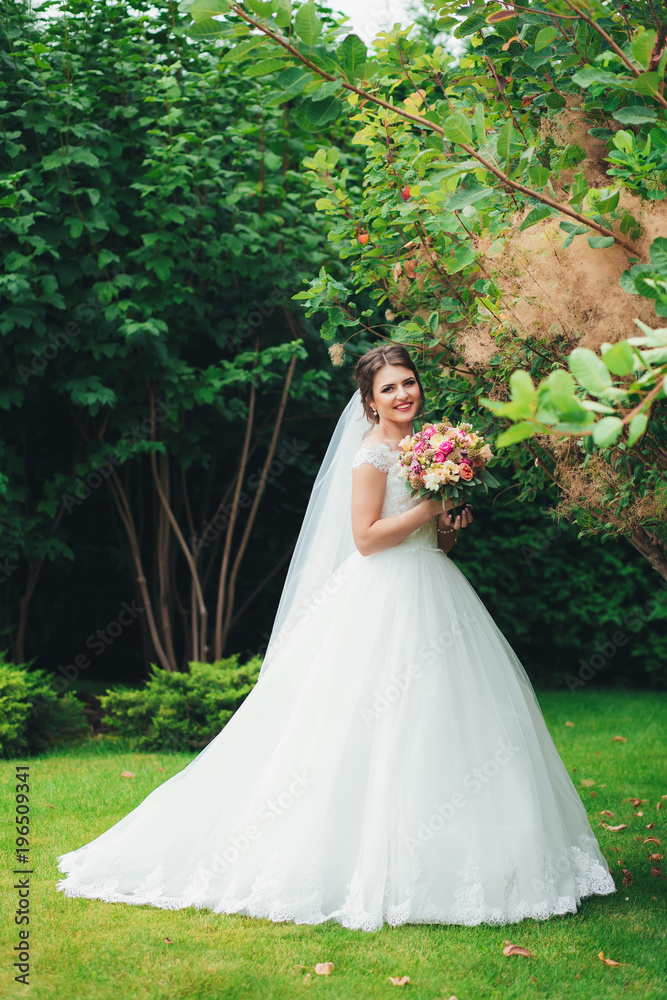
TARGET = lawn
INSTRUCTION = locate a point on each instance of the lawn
(91, 950)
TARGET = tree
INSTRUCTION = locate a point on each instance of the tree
(154, 229)
(489, 180)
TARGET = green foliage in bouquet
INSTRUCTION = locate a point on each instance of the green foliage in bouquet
(181, 710)
(32, 715)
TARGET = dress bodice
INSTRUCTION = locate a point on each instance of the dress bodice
(397, 495)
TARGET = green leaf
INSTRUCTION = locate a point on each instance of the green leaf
(608, 203)
(648, 84)
(536, 215)
(352, 54)
(522, 388)
(607, 430)
(589, 370)
(203, 10)
(517, 432)
(282, 10)
(619, 358)
(313, 115)
(591, 74)
(264, 8)
(307, 24)
(505, 137)
(206, 29)
(598, 242)
(457, 129)
(637, 427)
(635, 114)
(658, 253)
(539, 176)
(263, 67)
(463, 197)
(558, 391)
(545, 37)
(243, 49)
(642, 46)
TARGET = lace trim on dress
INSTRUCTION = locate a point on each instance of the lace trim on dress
(375, 453)
(264, 900)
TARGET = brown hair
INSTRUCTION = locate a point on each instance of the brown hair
(371, 362)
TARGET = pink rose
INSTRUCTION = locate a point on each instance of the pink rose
(465, 472)
(429, 432)
(444, 449)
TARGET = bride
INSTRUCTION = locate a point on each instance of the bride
(392, 763)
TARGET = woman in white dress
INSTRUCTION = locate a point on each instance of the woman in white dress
(392, 764)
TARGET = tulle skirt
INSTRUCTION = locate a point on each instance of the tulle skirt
(392, 765)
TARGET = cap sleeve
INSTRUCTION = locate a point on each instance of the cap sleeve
(379, 455)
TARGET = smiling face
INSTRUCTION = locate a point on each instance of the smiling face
(396, 397)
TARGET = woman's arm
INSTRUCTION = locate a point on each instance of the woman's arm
(370, 530)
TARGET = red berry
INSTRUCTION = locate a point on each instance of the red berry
(405, 194)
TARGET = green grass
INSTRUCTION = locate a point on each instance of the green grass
(91, 950)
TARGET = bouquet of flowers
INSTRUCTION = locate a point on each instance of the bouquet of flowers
(444, 459)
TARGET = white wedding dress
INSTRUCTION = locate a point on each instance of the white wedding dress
(393, 766)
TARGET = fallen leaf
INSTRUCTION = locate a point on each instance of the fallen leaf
(656, 857)
(653, 840)
(515, 949)
(593, 795)
(168, 941)
(398, 270)
(127, 774)
(160, 769)
(306, 977)
(409, 268)
(640, 813)
(656, 871)
(650, 826)
(399, 981)
(640, 839)
(49, 806)
(663, 796)
(610, 961)
(606, 812)
(627, 877)
(587, 782)
(658, 805)
(615, 829)
(636, 802)
(620, 739)
(569, 723)
(324, 968)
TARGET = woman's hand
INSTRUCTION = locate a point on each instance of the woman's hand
(461, 520)
(437, 506)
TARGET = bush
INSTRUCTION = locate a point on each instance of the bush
(181, 711)
(32, 715)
